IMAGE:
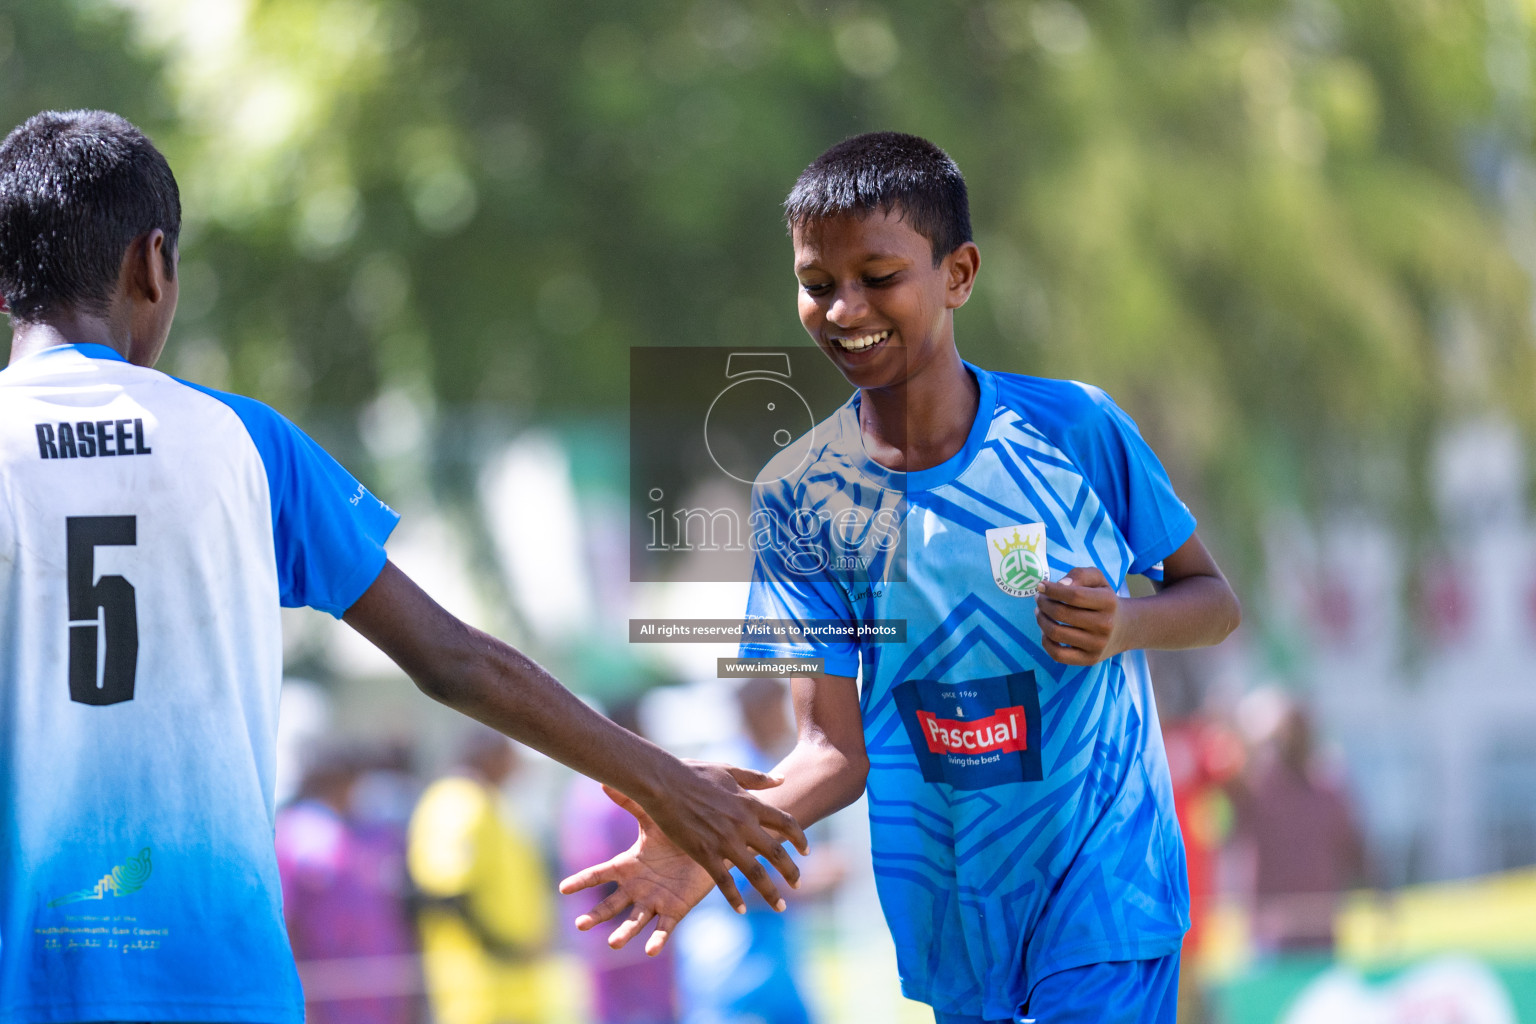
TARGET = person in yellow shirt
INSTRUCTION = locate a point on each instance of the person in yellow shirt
(486, 910)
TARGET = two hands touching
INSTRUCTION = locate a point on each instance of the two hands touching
(708, 809)
(721, 826)
(655, 881)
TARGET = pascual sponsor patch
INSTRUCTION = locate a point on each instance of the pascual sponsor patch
(975, 734)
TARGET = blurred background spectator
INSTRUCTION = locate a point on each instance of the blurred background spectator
(1298, 830)
(627, 987)
(345, 898)
(1204, 758)
(746, 968)
(485, 894)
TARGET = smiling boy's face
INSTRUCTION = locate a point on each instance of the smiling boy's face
(872, 299)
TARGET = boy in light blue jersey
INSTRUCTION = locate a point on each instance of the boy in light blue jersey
(149, 531)
(1025, 846)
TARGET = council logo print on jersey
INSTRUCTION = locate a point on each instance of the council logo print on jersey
(1017, 554)
(123, 880)
(974, 735)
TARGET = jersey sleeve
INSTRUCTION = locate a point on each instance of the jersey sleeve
(784, 588)
(328, 529)
(1131, 483)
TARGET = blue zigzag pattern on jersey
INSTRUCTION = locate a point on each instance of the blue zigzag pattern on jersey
(1034, 454)
(1015, 468)
(1041, 453)
(976, 637)
(953, 511)
(1054, 532)
(1044, 820)
(1015, 896)
(1007, 514)
(1101, 785)
(905, 821)
(1081, 731)
(1131, 863)
(1088, 889)
(889, 737)
(1140, 919)
(1047, 863)
(938, 888)
(1008, 901)
(1064, 694)
(985, 800)
(888, 856)
(976, 845)
(1026, 427)
(972, 604)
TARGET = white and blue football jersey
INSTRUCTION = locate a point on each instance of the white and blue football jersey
(149, 532)
(1021, 813)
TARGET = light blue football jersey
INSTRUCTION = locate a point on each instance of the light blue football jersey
(149, 532)
(1021, 813)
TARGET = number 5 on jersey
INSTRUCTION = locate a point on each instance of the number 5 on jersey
(105, 604)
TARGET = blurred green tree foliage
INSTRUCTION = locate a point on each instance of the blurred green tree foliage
(1277, 230)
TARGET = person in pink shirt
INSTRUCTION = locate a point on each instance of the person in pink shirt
(628, 987)
(344, 902)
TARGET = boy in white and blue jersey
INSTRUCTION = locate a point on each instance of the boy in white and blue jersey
(150, 529)
(1022, 827)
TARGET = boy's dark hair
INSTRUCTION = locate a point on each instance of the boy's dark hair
(76, 188)
(885, 171)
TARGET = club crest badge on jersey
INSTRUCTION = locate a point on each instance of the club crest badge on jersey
(976, 734)
(1018, 559)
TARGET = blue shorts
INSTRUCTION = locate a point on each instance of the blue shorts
(1121, 992)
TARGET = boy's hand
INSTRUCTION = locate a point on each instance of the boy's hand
(1078, 616)
(656, 881)
(708, 814)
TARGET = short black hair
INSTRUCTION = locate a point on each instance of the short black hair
(76, 188)
(885, 171)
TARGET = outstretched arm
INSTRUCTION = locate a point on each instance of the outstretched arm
(826, 770)
(703, 808)
(824, 773)
(1083, 621)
